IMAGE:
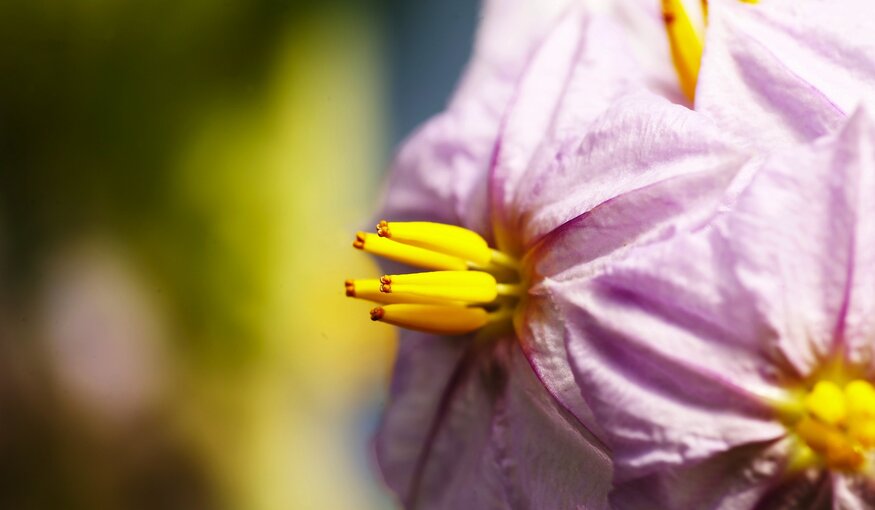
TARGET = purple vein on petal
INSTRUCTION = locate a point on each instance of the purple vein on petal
(457, 379)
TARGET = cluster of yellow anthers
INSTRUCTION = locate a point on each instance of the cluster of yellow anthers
(838, 424)
(468, 286)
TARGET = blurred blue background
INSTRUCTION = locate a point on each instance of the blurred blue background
(181, 182)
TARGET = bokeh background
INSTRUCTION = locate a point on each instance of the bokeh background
(180, 182)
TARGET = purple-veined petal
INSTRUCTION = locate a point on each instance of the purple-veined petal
(539, 327)
(469, 426)
(546, 459)
(638, 141)
(440, 172)
(785, 71)
(671, 356)
(738, 479)
(852, 155)
(586, 246)
(580, 69)
(428, 378)
(803, 236)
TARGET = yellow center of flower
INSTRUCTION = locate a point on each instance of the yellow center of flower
(685, 42)
(469, 286)
(837, 424)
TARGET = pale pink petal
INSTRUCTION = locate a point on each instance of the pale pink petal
(469, 426)
(803, 239)
(785, 71)
(440, 172)
(671, 356)
(586, 247)
(749, 477)
(582, 67)
(547, 459)
(639, 140)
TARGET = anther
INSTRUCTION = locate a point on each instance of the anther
(383, 229)
(377, 313)
(465, 271)
(407, 254)
(448, 239)
(370, 289)
(465, 286)
(359, 242)
(443, 320)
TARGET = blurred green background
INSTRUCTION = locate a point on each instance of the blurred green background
(181, 182)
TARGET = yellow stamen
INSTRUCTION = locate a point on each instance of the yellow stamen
(814, 433)
(467, 272)
(839, 424)
(860, 400)
(369, 289)
(827, 402)
(407, 254)
(466, 294)
(685, 43)
(448, 278)
(467, 286)
(442, 320)
(448, 239)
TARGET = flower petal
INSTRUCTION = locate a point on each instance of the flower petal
(469, 426)
(679, 345)
(640, 140)
(584, 65)
(440, 172)
(852, 157)
(785, 71)
(737, 479)
(805, 241)
(541, 339)
(549, 462)
(428, 377)
(586, 246)
(670, 355)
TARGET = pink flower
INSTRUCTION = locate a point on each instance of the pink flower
(560, 151)
(731, 365)
(564, 151)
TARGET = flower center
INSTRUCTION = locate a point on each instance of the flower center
(838, 423)
(470, 285)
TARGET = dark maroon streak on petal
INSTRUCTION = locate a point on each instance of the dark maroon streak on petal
(460, 374)
(801, 491)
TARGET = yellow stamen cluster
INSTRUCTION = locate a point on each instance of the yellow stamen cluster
(839, 423)
(469, 286)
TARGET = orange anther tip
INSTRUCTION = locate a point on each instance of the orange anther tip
(383, 229)
(377, 314)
